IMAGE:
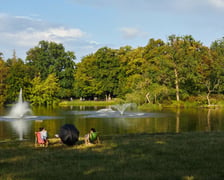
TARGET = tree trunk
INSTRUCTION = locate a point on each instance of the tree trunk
(148, 97)
(210, 90)
(177, 85)
(155, 97)
(208, 98)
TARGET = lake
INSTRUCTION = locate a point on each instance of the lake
(110, 122)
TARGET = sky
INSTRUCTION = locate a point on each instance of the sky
(84, 26)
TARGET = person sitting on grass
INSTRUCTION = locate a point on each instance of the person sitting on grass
(44, 136)
(92, 137)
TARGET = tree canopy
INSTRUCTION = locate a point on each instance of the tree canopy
(50, 57)
(181, 69)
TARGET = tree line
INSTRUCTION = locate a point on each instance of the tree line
(181, 69)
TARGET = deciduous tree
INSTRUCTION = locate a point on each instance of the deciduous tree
(3, 75)
(50, 57)
(44, 92)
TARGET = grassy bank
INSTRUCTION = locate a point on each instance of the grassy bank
(139, 156)
(146, 106)
(88, 103)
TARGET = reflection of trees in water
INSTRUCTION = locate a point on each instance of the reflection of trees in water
(209, 120)
(214, 119)
(178, 120)
(203, 119)
(174, 120)
(184, 120)
(3, 127)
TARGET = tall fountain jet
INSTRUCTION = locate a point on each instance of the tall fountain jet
(18, 114)
(20, 109)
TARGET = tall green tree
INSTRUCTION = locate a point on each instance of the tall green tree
(86, 85)
(107, 62)
(212, 69)
(184, 55)
(44, 92)
(19, 76)
(50, 57)
(97, 74)
(135, 72)
(3, 75)
(124, 55)
(131, 65)
(158, 72)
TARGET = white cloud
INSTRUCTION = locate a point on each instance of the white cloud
(21, 32)
(199, 5)
(26, 30)
(130, 33)
(65, 33)
(159, 5)
(217, 3)
(29, 36)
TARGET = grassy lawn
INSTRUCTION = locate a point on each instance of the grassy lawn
(137, 156)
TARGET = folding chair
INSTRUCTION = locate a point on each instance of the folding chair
(39, 140)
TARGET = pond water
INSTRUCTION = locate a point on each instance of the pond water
(110, 122)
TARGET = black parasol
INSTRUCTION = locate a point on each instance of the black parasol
(69, 134)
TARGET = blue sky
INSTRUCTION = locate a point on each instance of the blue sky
(84, 26)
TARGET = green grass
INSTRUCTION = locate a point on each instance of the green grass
(87, 103)
(133, 156)
(146, 106)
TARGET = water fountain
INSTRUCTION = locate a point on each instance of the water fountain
(20, 109)
(122, 107)
(17, 114)
(115, 111)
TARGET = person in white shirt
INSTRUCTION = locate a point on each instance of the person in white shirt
(44, 135)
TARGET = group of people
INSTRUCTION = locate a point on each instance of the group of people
(91, 138)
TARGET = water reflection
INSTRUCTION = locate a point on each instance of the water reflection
(166, 120)
(178, 120)
(24, 127)
(21, 127)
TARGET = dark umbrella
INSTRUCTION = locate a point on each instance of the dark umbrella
(69, 134)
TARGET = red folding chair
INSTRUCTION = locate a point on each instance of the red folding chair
(38, 139)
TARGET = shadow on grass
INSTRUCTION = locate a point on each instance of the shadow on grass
(138, 156)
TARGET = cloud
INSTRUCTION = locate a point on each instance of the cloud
(21, 32)
(130, 32)
(30, 37)
(199, 5)
(65, 33)
(217, 3)
(27, 31)
(159, 5)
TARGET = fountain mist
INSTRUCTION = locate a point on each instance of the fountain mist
(122, 107)
(20, 108)
(18, 113)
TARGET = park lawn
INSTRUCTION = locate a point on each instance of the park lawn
(132, 156)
